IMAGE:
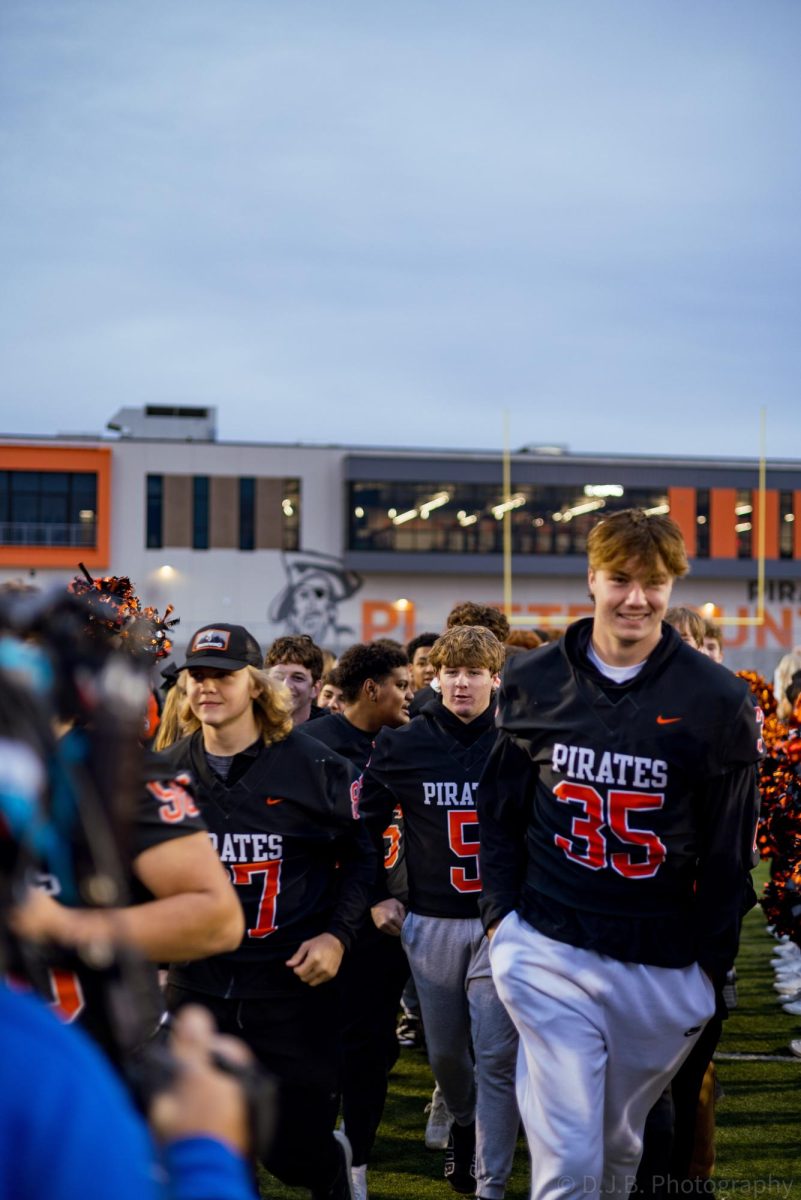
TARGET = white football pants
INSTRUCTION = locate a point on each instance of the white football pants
(599, 1041)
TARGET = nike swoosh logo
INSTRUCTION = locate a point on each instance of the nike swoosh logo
(660, 720)
(271, 800)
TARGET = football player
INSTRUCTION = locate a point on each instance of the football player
(430, 768)
(617, 818)
(282, 812)
(376, 692)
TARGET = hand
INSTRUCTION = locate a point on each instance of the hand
(317, 960)
(203, 1100)
(491, 930)
(388, 916)
(40, 918)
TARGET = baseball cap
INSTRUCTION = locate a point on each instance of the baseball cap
(226, 647)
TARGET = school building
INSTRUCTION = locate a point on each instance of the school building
(349, 543)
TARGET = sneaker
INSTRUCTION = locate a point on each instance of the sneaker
(788, 968)
(783, 955)
(438, 1126)
(342, 1187)
(409, 1031)
(730, 990)
(358, 1176)
(795, 1047)
(792, 983)
(460, 1158)
(793, 1008)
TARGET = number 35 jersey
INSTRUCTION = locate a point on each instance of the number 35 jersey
(621, 817)
(430, 768)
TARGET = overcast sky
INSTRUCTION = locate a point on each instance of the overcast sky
(386, 221)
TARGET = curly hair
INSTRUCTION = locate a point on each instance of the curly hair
(485, 615)
(272, 708)
(299, 649)
(367, 660)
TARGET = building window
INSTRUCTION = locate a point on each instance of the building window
(447, 518)
(743, 525)
(702, 532)
(200, 512)
(154, 516)
(247, 514)
(290, 515)
(48, 508)
(786, 524)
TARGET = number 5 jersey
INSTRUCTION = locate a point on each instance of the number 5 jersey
(621, 817)
(430, 768)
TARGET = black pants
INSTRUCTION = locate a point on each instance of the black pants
(294, 1034)
(373, 976)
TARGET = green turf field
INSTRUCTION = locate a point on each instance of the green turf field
(758, 1117)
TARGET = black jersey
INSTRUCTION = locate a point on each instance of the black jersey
(342, 736)
(338, 733)
(621, 817)
(432, 775)
(423, 696)
(165, 810)
(288, 832)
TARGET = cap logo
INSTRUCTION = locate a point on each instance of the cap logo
(211, 639)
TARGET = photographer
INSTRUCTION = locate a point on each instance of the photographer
(57, 1092)
(172, 898)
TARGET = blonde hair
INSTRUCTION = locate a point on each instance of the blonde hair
(171, 728)
(272, 708)
(468, 646)
(785, 671)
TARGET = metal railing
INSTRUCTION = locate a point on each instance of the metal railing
(45, 533)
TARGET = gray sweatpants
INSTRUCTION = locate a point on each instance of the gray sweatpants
(472, 1043)
(600, 1040)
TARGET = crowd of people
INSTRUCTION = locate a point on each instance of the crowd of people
(535, 845)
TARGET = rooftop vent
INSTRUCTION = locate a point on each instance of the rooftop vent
(166, 422)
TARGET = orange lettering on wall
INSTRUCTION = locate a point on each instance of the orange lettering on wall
(783, 634)
(381, 618)
(739, 634)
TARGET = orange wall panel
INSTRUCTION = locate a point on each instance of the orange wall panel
(722, 537)
(63, 458)
(771, 523)
(682, 503)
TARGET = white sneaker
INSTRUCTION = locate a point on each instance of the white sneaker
(791, 984)
(348, 1153)
(795, 1047)
(786, 950)
(438, 1126)
(793, 1008)
(358, 1177)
